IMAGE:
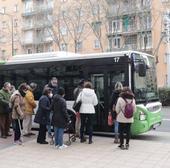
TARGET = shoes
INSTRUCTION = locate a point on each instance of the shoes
(18, 142)
(83, 140)
(90, 141)
(116, 141)
(27, 135)
(62, 147)
(31, 133)
(50, 136)
(121, 147)
(44, 142)
(127, 146)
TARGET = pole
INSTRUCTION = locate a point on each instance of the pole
(12, 35)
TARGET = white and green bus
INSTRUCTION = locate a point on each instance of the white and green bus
(134, 69)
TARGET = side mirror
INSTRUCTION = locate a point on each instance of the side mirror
(142, 69)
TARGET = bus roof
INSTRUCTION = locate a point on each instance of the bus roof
(62, 56)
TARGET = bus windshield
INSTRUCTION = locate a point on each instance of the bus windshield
(145, 88)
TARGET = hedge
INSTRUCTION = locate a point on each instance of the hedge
(164, 95)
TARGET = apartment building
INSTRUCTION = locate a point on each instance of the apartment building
(10, 28)
(86, 26)
(166, 40)
(138, 25)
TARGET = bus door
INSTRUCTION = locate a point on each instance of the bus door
(98, 83)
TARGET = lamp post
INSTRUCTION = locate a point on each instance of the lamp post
(12, 31)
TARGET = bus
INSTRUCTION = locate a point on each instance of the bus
(134, 69)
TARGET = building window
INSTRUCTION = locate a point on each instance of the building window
(50, 48)
(145, 3)
(28, 6)
(116, 42)
(79, 12)
(4, 25)
(63, 30)
(15, 22)
(96, 44)
(3, 10)
(115, 26)
(96, 10)
(131, 42)
(80, 28)
(29, 51)
(3, 52)
(3, 39)
(79, 46)
(96, 26)
(166, 56)
(15, 51)
(63, 47)
(15, 8)
(147, 40)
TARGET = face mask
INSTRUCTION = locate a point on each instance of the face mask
(50, 95)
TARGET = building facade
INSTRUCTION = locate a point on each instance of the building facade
(87, 26)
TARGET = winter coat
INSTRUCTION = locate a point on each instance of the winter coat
(88, 99)
(114, 98)
(43, 112)
(4, 101)
(60, 117)
(76, 92)
(17, 105)
(120, 107)
(30, 103)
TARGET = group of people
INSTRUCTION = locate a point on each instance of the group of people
(17, 107)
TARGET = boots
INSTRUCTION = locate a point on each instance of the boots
(116, 140)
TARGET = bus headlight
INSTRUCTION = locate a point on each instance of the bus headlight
(142, 116)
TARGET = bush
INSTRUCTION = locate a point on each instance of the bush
(164, 95)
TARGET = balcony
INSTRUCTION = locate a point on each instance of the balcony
(123, 9)
(39, 9)
(27, 26)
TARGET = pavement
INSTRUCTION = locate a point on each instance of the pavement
(103, 153)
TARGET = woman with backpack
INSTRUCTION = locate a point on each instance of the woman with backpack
(125, 108)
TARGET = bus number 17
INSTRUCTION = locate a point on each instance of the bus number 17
(116, 59)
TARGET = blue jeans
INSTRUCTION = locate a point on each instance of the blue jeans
(58, 136)
(116, 128)
(49, 125)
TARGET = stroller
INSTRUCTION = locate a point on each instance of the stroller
(70, 129)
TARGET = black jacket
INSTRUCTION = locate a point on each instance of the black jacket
(43, 112)
(60, 117)
(113, 99)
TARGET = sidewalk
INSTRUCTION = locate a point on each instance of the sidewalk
(101, 154)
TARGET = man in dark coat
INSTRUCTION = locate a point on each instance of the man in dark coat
(42, 115)
(53, 85)
(5, 120)
(60, 117)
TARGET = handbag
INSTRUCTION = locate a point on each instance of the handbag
(77, 105)
(114, 114)
(110, 119)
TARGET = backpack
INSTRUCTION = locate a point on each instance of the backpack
(128, 112)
